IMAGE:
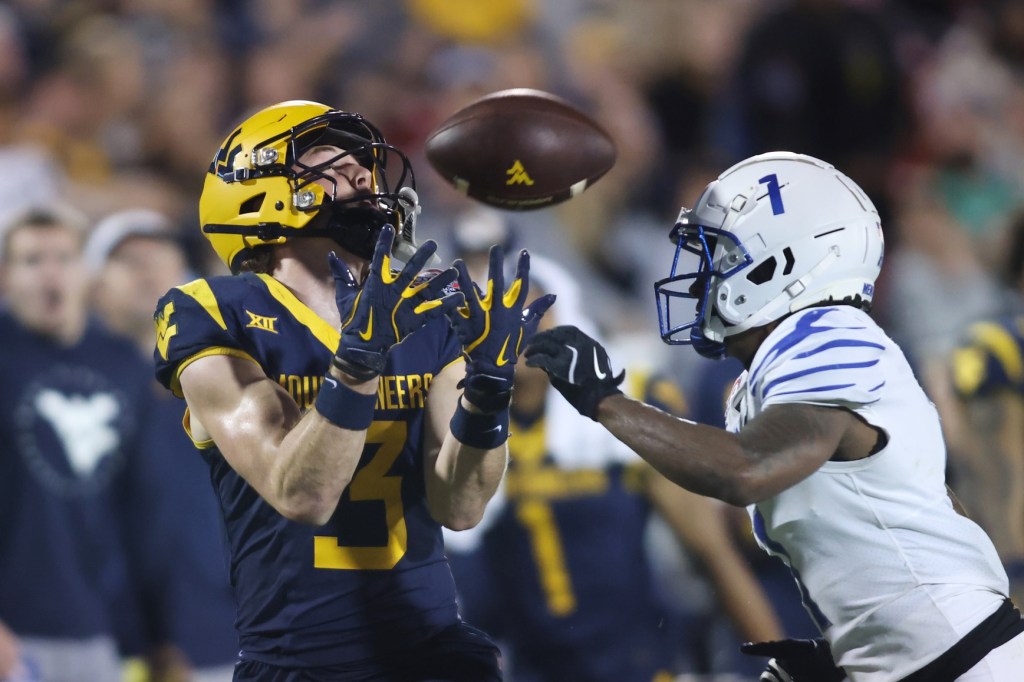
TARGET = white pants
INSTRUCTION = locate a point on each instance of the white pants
(1003, 664)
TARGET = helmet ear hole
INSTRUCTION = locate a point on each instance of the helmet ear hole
(763, 272)
(253, 204)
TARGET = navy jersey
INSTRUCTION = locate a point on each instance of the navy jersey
(373, 579)
(991, 358)
(576, 598)
(69, 421)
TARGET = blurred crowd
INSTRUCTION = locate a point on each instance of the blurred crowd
(114, 109)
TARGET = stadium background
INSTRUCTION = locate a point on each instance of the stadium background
(110, 105)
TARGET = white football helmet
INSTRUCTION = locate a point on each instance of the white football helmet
(775, 233)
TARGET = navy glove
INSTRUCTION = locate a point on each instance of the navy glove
(388, 307)
(577, 365)
(493, 326)
(796, 660)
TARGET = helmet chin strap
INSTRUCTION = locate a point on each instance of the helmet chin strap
(355, 227)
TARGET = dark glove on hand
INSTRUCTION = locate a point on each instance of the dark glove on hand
(493, 326)
(388, 307)
(796, 660)
(577, 365)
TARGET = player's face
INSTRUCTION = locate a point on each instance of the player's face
(346, 171)
(43, 277)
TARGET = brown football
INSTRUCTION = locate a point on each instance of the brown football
(520, 150)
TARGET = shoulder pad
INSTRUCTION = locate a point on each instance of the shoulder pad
(189, 322)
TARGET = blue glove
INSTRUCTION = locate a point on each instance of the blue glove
(796, 660)
(388, 307)
(494, 326)
(577, 366)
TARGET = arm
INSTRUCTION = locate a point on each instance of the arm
(460, 479)
(299, 464)
(779, 448)
(302, 464)
(699, 526)
(492, 326)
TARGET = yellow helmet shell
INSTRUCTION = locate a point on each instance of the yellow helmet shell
(237, 195)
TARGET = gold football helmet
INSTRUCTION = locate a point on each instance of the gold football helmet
(257, 192)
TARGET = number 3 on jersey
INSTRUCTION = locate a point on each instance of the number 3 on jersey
(373, 483)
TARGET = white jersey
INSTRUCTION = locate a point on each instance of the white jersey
(890, 572)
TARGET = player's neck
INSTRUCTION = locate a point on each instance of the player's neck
(302, 266)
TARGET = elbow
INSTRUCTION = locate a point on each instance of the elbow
(462, 522)
(313, 507)
(308, 512)
(458, 518)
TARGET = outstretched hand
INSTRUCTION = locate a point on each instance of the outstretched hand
(796, 660)
(388, 307)
(577, 366)
(493, 326)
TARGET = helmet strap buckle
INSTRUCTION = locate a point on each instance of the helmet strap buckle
(268, 231)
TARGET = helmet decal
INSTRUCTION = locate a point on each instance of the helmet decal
(223, 163)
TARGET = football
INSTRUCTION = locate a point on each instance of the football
(520, 150)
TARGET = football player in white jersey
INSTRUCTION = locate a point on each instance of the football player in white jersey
(831, 443)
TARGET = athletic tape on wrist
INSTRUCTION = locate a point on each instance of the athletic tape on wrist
(343, 407)
(484, 431)
(485, 392)
(359, 372)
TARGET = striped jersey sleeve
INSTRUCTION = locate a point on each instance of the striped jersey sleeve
(822, 356)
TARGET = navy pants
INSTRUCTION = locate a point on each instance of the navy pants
(459, 654)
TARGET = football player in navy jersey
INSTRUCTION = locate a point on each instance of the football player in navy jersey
(346, 409)
(573, 591)
(559, 570)
(830, 442)
(985, 422)
(72, 399)
(989, 461)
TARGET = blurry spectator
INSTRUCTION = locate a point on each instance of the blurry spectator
(985, 421)
(135, 257)
(28, 174)
(821, 77)
(322, 34)
(970, 106)
(176, 533)
(561, 572)
(470, 225)
(934, 265)
(73, 399)
(472, 21)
